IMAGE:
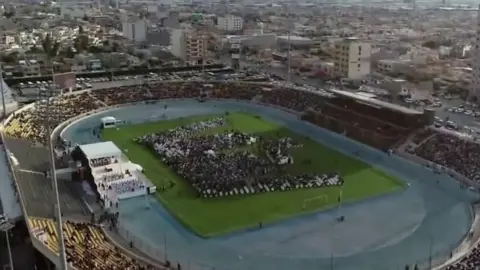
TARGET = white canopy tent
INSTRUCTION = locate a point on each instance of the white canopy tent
(100, 150)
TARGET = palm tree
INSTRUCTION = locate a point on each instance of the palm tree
(81, 43)
(50, 48)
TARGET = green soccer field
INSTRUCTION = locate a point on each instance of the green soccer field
(215, 216)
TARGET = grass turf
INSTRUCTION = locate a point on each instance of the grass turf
(211, 217)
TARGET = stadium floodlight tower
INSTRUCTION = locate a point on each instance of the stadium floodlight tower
(2, 91)
(49, 106)
(289, 56)
(48, 109)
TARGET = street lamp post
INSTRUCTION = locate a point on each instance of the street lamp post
(3, 91)
(49, 144)
(6, 227)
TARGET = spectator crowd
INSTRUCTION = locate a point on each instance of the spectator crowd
(131, 185)
(220, 164)
(334, 115)
(469, 262)
(86, 246)
(453, 152)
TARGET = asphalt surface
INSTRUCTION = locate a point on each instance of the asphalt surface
(36, 189)
(282, 72)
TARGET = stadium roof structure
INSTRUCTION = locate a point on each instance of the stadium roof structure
(100, 150)
(375, 102)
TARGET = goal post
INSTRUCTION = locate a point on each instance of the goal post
(315, 202)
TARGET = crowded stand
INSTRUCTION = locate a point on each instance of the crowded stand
(469, 262)
(334, 116)
(97, 162)
(31, 126)
(122, 187)
(422, 135)
(204, 162)
(453, 152)
(86, 246)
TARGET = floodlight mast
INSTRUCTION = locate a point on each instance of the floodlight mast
(290, 28)
(51, 112)
(2, 89)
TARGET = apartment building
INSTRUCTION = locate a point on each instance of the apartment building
(230, 23)
(135, 31)
(352, 58)
(188, 45)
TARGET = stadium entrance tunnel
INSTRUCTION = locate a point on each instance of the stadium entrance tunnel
(429, 217)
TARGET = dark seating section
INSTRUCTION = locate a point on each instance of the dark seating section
(423, 134)
(459, 154)
(381, 128)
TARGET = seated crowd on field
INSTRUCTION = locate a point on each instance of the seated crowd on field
(230, 162)
(28, 125)
(86, 246)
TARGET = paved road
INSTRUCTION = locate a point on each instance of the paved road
(282, 72)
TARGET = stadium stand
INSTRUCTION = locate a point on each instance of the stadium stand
(453, 152)
(86, 246)
(422, 135)
(39, 197)
(27, 124)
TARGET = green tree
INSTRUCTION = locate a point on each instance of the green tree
(431, 44)
(9, 14)
(34, 49)
(10, 58)
(115, 47)
(81, 43)
(50, 47)
(69, 53)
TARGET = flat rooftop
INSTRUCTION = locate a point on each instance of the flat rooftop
(100, 150)
(376, 102)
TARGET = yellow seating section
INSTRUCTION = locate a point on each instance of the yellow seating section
(25, 125)
(97, 247)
